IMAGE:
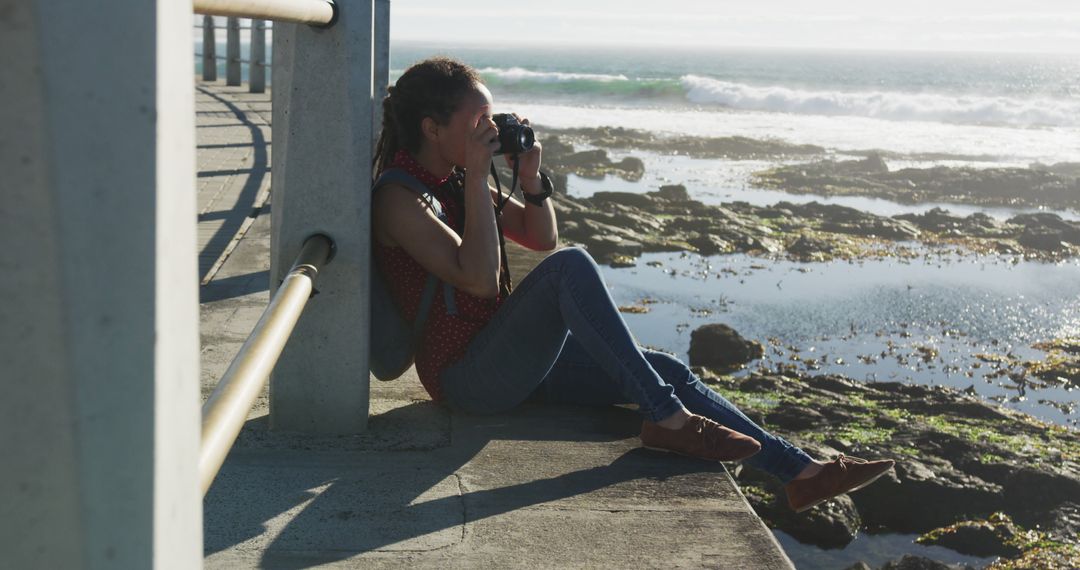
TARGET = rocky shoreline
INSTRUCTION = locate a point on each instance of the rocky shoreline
(618, 226)
(1054, 186)
(977, 478)
(972, 476)
(820, 171)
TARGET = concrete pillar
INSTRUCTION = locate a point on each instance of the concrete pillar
(322, 113)
(382, 63)
(257, 68)
(99, 338)
(232, 52)
(209, 49)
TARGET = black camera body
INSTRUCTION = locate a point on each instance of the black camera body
(514, 137)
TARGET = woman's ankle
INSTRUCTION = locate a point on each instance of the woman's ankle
(676, 420)
(811, 469)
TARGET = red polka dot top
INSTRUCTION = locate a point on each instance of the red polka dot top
(445, 336)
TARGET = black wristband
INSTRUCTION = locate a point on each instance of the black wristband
(538, 199)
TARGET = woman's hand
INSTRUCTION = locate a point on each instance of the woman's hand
(529, 165)
(480, 146)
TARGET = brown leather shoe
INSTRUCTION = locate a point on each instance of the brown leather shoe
(701, 438)
(843, 475)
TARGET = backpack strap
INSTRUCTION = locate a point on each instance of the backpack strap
(427, 297)
(403, 178)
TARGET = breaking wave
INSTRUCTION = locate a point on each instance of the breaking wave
(883, 104)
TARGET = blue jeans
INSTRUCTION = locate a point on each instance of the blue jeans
(559, 337)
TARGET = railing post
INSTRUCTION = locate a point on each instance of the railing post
(322, 122)
(232, 52)
(257, 68)
(99, 323)
(382, 63)
(209, 50)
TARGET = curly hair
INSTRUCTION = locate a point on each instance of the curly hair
(432, 88)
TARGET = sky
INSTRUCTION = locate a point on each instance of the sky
(1051, 26)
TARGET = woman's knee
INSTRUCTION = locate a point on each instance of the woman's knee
(669, 367)
(573, 259)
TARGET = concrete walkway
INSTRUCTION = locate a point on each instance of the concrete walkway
(542, 487)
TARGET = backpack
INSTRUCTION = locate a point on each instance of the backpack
(393, 340)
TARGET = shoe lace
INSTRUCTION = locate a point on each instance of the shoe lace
(843, 461)
(712, 434)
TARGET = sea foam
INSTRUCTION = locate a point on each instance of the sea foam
(519, 74)
(970, 109)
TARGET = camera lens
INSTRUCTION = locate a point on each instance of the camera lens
(526, 138)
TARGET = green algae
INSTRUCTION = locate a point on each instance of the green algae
(1027, 549)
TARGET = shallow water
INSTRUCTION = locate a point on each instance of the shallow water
(922, 320)
(714, 181)
(874, 549)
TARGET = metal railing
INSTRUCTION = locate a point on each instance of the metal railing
(225, 412)
(314, 12)
(256, 63)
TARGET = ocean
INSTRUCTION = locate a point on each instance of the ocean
(1013, 109)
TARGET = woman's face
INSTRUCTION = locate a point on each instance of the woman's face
(451, 140)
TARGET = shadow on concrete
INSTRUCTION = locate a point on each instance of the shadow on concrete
(235, 286)
(233, 172)
(226, 145)
(360, 501)
(245, 200)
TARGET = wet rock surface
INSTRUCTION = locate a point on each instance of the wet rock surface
(625, 223)
(719, 346)
(995, 536)
(1039, 185)
(698, 147)
(958, 459)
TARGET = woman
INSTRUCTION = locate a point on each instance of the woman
(558, 335)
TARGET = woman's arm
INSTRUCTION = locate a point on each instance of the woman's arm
(530, 225)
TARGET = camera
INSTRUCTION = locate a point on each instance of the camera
(514, 137)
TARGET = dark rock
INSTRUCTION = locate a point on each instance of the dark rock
(774, 213)
(710, 244)
(751, 243)
(672, 193)
(872, 164)
(912, 562)
(1060, 168)
(922, 495)
(1043, 240)
(941, 221)
(1061, 522)
(632, 166)
(984, 538)
(556, 146)
(1041, 488)
(593, 164)
(807, 248)
(762, 383)
(601, 246)
(833, 524)
(879, 227)
(719, 346)
(859, 566)
(700, 147)
(870, 177)
(795, 418)
(836, 383)
(627, 198)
